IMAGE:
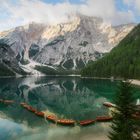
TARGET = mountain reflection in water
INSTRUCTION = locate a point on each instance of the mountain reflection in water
(71, 98)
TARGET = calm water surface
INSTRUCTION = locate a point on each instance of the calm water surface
(71, 98)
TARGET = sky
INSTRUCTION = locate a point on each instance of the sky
(21, 12)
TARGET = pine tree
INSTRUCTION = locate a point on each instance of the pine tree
(137, 124)
(123, 122)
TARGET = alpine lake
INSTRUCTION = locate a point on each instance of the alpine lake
(67, 97)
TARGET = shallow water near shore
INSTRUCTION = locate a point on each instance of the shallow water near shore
(66, 97)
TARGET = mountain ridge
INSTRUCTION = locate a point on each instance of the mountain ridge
(122, 62)
(78, 42)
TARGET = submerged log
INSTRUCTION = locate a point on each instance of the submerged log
(23, 104)
(40, 114)
(52, 118)
(8, 101)
(86, 122)
(31, 109)
(104, 118)
(65, 122)
(108, 104)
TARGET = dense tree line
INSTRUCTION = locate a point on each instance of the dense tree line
(122, 61)
(124, 125)
(4, 71)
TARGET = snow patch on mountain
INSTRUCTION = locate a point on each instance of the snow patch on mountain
(68, 45)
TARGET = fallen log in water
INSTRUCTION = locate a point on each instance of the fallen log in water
(108, 104)
(51, 118)
(40, 114)
(8, 101)
(24, 105)
(31, 109)
(86, 122)
(104, 118)
(66, 122)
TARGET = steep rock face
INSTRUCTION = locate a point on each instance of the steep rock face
(69, 45)
(21, 38)
(8, 64)
(85, 39)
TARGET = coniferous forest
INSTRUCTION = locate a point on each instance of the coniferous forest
(124, 125)
(122, 61)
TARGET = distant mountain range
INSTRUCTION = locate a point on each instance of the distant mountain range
(67, 46)
(122, 62)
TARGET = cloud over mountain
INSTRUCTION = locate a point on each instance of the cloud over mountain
(20, 12)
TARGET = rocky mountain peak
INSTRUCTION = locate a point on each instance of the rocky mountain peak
(68, 45)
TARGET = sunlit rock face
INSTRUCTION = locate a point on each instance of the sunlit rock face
(21, 38)
(69, 45)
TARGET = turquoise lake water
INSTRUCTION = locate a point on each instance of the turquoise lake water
(67, 97)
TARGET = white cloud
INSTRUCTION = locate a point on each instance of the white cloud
(128, 2)
(108, 11)
(25, 11)
(137, 4)
(133, 3)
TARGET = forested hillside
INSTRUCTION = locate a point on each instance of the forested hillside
(122, 62)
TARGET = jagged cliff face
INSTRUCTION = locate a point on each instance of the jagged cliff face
(8, 63)
(71, 45)
(22, 37)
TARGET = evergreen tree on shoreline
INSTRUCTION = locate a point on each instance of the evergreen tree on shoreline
(123, 122)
